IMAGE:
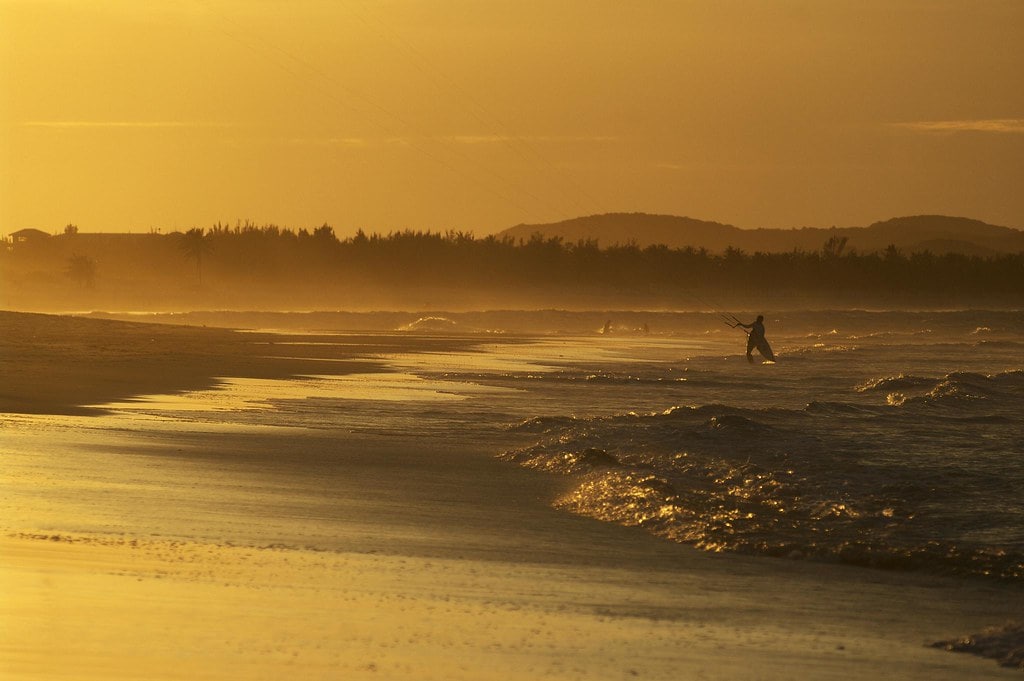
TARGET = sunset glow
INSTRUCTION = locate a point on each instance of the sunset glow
(124, 115)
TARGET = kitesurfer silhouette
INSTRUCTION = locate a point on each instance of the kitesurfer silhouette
(756, 339)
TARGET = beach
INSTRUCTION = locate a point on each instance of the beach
(296, 528)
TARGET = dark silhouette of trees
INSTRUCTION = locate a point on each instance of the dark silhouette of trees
(439, 266)
(195, 244)
(833, 248)
(82, 269)
(325, 233)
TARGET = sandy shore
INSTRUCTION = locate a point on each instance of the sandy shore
(56, 364)
(128, 552)
(113, 609)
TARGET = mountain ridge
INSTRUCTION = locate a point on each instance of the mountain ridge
(938, 234)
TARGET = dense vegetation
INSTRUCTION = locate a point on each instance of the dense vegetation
(267, 266)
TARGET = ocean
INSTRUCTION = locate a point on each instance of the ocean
(885, 440)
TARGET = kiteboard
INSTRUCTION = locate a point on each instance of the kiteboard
(762, 346)
(766, 350)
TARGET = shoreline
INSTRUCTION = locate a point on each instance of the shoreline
(129, 608)
(61, 364)
(187, 552)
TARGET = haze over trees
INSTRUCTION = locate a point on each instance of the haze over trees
(248, 266)
(936, 233)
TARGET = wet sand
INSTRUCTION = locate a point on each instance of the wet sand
(128, 552)
(52, 364)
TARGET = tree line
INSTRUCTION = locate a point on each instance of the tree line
(456, 258)
(550, 267)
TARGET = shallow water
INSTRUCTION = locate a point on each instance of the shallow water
(886, 440)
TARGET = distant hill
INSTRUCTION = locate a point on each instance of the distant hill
(643, 229)
(936, 233)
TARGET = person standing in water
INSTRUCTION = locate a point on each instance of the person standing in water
(756, 339)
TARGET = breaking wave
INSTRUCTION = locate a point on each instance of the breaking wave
(1005, 644)
(834, 481)
(953, 389)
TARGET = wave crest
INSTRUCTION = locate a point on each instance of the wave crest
(900, 382)
(1005, 644)
(768, 482)
(954, 389)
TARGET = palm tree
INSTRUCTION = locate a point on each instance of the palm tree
(195, 243)
(833, 248)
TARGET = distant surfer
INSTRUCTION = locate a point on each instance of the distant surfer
(756, 339)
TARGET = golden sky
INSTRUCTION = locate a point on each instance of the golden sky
(120, 115)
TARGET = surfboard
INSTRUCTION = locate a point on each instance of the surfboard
(765, 349)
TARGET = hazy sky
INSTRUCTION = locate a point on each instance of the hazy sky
(479, 114)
